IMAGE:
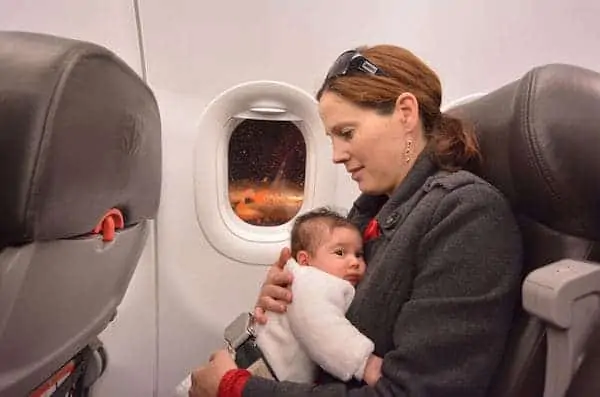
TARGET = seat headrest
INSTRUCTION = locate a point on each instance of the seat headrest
(79, 134)
(540, 138)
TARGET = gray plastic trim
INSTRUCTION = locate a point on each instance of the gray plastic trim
(565, 295)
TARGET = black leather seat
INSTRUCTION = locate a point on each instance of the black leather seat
(540, 137)
(80, 178)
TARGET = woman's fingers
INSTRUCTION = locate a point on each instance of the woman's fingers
(274, 294)
(284, 255)
(260, 316)
(278, 278)
(274, 299)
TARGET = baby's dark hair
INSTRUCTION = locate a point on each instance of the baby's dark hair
(308, 230)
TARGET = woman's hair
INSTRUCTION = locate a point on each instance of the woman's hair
(309, 229)
(450, 144)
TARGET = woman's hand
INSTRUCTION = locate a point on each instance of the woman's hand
(274, 294)
(206, 379)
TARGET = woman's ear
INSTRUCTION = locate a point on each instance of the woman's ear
(407, 110)
(302, 258)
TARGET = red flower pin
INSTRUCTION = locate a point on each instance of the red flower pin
(372, 231)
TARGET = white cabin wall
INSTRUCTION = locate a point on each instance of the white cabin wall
(110, 23)
(131, 339)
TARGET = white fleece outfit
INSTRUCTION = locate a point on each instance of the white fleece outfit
(314, 330)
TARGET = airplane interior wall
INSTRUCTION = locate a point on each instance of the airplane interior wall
(181, 299)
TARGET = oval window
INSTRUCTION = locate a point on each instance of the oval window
(261, 158)
(266, 171)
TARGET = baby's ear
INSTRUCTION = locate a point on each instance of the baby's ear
(302, 258)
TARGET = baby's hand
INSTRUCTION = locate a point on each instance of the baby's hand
(373, 370)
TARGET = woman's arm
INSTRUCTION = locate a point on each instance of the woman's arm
(450, 336)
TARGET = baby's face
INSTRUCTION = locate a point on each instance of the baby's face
(341, 255)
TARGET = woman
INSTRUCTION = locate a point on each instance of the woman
(443, 249)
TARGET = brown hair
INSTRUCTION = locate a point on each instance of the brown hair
(450, 144)
(308, 230)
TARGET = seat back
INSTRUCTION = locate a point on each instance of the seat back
(80, 138)
(540, 137)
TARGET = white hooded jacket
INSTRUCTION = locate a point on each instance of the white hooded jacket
(314, 330)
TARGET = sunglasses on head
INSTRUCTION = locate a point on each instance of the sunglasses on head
(353, 61)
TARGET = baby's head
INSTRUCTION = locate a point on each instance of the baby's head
(326, 240)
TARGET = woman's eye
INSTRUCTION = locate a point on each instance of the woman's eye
(347, 133)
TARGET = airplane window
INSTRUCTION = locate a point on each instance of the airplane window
(266, 171)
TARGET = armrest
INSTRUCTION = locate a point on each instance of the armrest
(565, 295)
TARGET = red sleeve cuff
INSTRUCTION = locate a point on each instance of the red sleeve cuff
(233, 382)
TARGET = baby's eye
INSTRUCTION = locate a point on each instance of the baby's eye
(339, 252)
(360, 254)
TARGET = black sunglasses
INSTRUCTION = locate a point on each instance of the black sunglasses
(353, 61)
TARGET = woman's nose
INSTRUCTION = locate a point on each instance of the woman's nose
(340, 153)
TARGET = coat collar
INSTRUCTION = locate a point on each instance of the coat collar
(382, 206)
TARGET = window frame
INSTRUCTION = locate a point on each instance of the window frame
(223, 229)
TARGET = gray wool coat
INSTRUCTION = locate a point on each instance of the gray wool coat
(439, 293)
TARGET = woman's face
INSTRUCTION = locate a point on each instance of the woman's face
(371, 146)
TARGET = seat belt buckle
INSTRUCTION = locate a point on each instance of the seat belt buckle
(239, 331)
(240, 339)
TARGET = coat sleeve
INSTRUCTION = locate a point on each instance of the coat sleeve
(317, 319)
(449, 336)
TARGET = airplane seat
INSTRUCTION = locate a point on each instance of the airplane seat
(80, 179)
(540, 137)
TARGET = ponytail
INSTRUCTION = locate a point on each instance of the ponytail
(452, 145)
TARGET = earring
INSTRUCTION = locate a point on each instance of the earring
(407, 151)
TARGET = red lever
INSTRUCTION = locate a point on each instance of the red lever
(110, 222)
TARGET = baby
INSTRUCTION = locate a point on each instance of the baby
(327, 264)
